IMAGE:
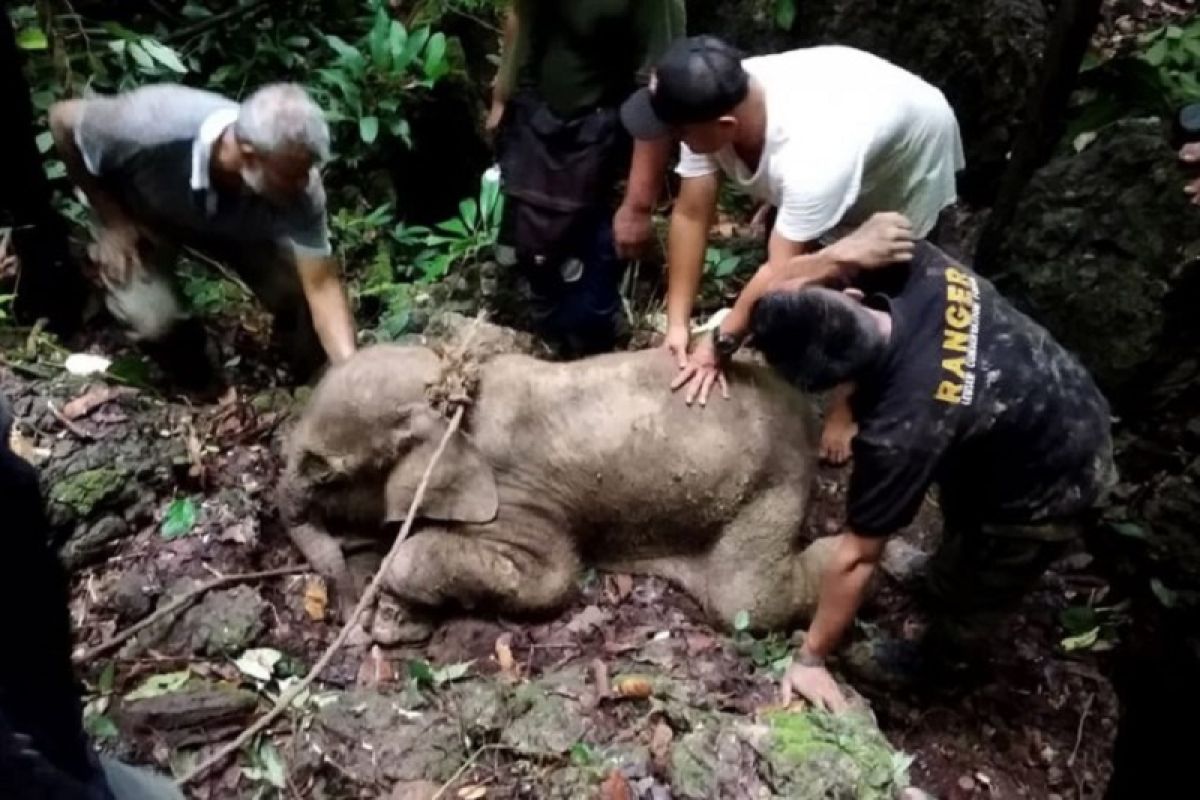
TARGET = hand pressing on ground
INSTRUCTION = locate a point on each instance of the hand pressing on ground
(813, 683)
(1190, 155)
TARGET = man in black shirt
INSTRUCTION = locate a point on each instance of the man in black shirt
(955, 388)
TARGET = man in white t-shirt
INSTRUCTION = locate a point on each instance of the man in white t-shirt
(829, 136)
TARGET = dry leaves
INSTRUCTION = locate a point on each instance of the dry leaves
(618, 587)
(633, 687)
(615, 787)
(375, 669)
(588, 620)
(472, 792)
(660, 746)
(316, 598)
(509, 669)
(91, 399)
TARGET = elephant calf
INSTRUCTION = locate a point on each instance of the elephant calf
(558, 465)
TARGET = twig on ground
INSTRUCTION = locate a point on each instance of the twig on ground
(466, 765)
(1087, 707)
(180, 602)
(68, 424)
(366, 601)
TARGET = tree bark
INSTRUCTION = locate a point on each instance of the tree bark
(1070, 34)
(48, 284)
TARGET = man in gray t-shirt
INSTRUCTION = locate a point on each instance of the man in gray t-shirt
(167, 166)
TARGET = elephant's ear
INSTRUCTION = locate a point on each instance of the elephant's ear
(462, 487)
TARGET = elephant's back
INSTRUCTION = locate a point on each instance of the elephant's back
(611, 438)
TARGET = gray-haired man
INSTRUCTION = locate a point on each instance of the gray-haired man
(165, 166)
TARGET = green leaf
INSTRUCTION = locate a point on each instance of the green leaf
(454, 672)
(397, 38)
(727, 266)
(141, 57)
(412, 47)
(785, 14)
(435, 57)
(45, 140)
(100, 727)
(164, 55)
(1168, 597)
(180, 518)
(1083, 641)
(454, 226)
(741, 621)
(354, 60)
(581, 754)
(381, 54)
(1131, 529)
(158, 685)
(469, 211)
(32, 39)
(420, 672)
(273, 769)
(368, 129)
(107, 679)
(1157, 53)
(1078, 619)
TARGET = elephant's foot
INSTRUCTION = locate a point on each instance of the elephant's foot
(395, 623)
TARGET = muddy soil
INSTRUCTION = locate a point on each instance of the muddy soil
(627, 693)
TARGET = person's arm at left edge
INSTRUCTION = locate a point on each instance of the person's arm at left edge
(659, 23)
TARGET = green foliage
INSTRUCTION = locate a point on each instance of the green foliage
(785, 14)
(266, 765)
(1159, 76)
(180, 518)
(720, 263)
(425, 676)
(771, 653)
(6, 301)
(365, 87)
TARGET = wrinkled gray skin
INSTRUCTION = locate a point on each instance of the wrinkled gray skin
(559, 465)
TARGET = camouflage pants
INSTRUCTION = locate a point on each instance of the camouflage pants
(981, 571)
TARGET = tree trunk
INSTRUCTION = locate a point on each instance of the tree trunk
(48, 284)
(1070, 34)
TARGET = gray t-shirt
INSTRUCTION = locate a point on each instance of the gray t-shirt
(146, 147)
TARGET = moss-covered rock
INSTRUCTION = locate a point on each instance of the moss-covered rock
(84, 492)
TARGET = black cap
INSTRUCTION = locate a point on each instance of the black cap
(697, 80)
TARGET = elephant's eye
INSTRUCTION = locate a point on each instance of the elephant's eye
(315, 467)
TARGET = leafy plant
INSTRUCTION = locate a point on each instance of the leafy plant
(180, 518)
(720, 263)
(770, 653)
(458, 240)
(785, 14)
(365, 86)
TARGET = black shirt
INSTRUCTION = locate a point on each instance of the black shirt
(975, 397)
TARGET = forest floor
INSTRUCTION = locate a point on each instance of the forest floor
(159, 494)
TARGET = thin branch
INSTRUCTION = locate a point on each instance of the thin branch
(180, 602)
(1087, 707)
(214, 21)
(465, 766)
(68, 424)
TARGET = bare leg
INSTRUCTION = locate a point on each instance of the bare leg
(840, 427)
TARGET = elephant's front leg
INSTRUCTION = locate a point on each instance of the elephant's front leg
(324, 552)
(478, 567)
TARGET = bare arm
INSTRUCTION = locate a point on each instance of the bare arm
(646, 173)
(64, 120)
(686, 242)
(843, 588)
(329, 306)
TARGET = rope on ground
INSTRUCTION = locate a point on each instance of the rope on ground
(366, 601)
(180, 602)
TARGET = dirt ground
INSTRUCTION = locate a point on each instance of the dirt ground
(1040, 724)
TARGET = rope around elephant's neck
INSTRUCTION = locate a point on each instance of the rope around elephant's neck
(368, 598)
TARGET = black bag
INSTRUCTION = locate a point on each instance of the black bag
(553, 170)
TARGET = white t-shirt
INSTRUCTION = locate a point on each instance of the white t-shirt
(848, 134)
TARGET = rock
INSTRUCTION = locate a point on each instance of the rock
(223, 623)
(176, 715)
(414, 790)
(81, 494)
(133, 595)
(84, 548)
(984, 56)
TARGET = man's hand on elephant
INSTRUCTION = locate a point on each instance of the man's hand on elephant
(115, 251)
(632, 230)
(814, 684)
(703, 370)
(886, 238)
(1190, 155)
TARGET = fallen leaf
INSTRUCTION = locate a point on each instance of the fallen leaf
(698, 643)
(414, 790)
(157, 685)
(180, 518)
(633, 687)
(615, 787)
(90, 400)
(375, 669)
(1081, 642)
(587, 620)
(660, 746)
(504, 657)
(86, 364)
(259, 663)
(472, 792)
(316, 598)
(243, 532)
(622, 586)
(451, 673)
(600, 678)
